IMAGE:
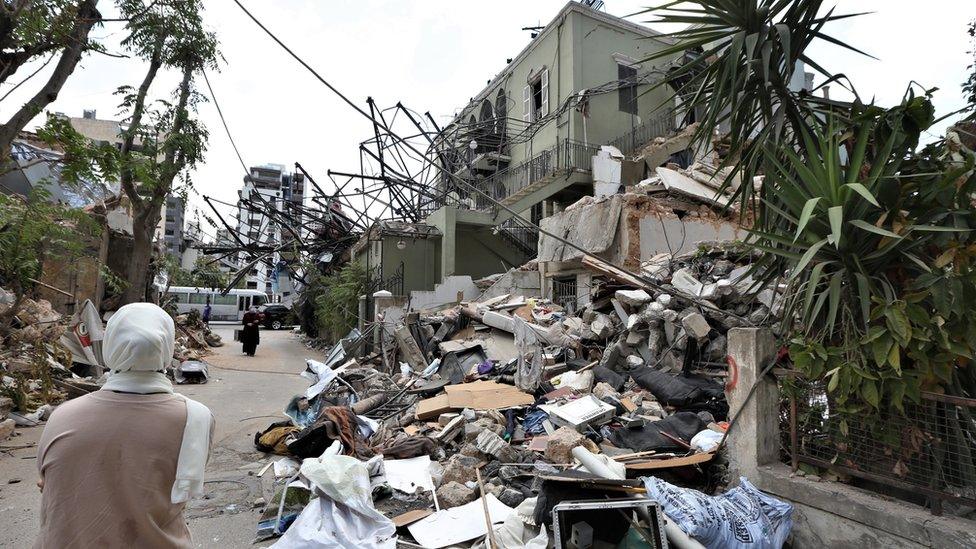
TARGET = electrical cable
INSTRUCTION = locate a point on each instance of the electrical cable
(515, 215)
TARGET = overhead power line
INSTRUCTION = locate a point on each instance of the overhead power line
(378, 122)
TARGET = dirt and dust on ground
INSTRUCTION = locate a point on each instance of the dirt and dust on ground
(244, 393)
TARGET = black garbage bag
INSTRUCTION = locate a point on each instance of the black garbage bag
(686, 393)
(683, 425)
(611, 378)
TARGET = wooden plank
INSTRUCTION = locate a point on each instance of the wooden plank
(694, 459)
(410, 349)
(410, 517)
(615, 273)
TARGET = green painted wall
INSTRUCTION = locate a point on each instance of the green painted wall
(481, 253)
(420, 257)
(594, 44)
(578, 52)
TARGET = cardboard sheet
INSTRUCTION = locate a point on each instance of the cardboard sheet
(480, 395)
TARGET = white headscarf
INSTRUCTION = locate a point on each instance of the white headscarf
(138, 345)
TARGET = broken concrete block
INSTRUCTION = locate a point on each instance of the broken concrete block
(452, 429)
(459, 469)
(716, 349)
(602, 326)
(511, 497)
(559, 447)
(665, 300)
(6, 428)
(493, 445)
(696, 326)
(444, 419)
(635, 338)
(683, 280)
(473, 429)
(454, 494)
(603, 391)
(719, 289)
(634, 361)
(6, 406)
(472, 451)
(633, 298)
(508, 473)
(656, 341)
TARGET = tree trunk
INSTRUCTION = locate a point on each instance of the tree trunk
(144, 221)
(77, 43)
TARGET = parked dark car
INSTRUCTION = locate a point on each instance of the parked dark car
(276, 317)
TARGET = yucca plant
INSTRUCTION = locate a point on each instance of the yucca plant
(874, 238)
(739, 63)
(871, 233)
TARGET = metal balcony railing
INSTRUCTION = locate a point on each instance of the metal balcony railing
(635, 139)
(565, 155)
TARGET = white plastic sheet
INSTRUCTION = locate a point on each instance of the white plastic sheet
(528, 374)
(343, 515)
(515, 533)
(407, 475)
(458, 524)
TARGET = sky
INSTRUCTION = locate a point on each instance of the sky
(433, 55)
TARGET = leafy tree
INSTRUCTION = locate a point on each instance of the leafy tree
(163, 139)
(969, 86)
(336, 299)
(31, 229)
(30, 29)
(205, 274)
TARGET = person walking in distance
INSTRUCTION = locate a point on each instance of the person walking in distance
(118, 465)
(206, 313)
(251, 335)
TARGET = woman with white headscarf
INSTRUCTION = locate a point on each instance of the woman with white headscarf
(117, 466)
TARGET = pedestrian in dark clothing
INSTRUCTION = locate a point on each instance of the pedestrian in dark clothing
(206, 313)
(250, 337)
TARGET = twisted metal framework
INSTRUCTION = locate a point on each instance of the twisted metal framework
(407, 170)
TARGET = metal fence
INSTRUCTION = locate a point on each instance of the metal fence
(564, 293)
(523, 237)
(376, 282)
(925, 455)
(639, 136)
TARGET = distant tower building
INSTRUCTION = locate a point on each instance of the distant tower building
(270, 195)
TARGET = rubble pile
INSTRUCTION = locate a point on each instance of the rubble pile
(483, 422)
(47, 358)
(33, 364)
(193, 337)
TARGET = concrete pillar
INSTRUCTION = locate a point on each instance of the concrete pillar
(448, 242)
(754, 439)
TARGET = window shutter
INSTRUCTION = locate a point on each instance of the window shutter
(527, 103)
(545, 92)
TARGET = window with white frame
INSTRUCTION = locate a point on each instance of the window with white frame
(535, 96)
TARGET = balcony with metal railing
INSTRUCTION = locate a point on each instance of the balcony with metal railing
(565, 156)
(636, 138)
(507, 186)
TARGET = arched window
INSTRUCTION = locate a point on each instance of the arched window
(501, 112)
(487, 114)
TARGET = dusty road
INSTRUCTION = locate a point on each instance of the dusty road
(245, 395)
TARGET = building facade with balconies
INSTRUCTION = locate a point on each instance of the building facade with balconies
(525, 143)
